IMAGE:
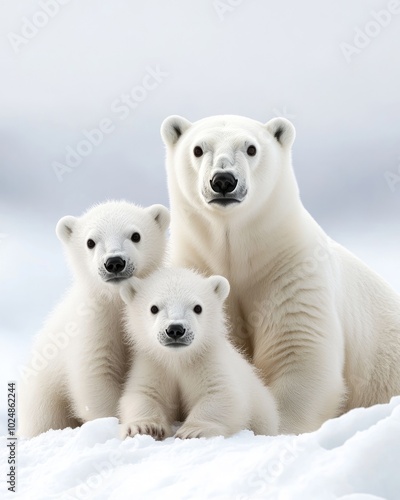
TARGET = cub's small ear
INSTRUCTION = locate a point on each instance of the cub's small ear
(283, 131)
(129, 289)
(172, 128)
(220, 286)
(160, 215)
(65, 227)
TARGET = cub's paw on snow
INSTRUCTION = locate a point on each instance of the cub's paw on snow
(153, 429)
(199, 431)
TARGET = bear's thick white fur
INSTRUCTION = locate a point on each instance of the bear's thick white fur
(322, 328)
(199, 376)
(79, 360)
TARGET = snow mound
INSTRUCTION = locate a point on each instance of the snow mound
(354, 457)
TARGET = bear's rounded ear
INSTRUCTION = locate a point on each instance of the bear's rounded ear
(220, 286)
(65, 227)
(283, 131)
(172, 128)
(161, 215)
(129, 289)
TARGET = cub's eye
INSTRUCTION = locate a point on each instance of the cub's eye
(90, 243)
(197, 309)
(154, 309)
(135, 237)
(251, 151)
(197, 151)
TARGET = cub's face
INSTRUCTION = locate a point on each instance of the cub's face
(114, 241)
(223, 162)
(175, 311)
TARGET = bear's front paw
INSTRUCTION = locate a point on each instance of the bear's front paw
(153, 429)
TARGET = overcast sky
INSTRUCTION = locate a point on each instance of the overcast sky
(331, 67)
(258, 58)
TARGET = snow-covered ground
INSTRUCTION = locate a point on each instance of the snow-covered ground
(355, 457)
(352, 457)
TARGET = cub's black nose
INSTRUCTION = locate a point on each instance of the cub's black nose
(175, 331)
(115, 265)
(223, 182)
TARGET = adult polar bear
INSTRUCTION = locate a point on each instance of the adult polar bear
(323, 329)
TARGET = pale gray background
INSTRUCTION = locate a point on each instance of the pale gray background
(262, 59)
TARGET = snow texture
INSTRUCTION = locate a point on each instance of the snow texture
(354, 457)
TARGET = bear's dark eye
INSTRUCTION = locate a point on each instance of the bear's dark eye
(197, 151)
(197, 309)
(135, 237)
(251, 151)
(154, 309)
(90, 243)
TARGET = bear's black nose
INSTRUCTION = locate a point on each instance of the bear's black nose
(175, 331)
(223, 182)
(115, 265)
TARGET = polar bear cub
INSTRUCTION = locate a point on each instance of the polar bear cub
(79, 358)
(185, 367)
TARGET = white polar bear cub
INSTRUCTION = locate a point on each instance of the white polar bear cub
(79, 359)
(322, 328)
(185, 367)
